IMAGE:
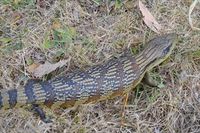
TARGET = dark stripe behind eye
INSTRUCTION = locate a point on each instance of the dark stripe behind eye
(166, 50)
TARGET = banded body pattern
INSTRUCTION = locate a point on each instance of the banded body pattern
(94, 84)
(97, 83)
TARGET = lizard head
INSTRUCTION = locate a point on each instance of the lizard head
(156, 51)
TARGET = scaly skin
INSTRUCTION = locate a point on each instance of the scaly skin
(113, 78)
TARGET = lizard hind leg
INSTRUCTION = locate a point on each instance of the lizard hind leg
(39, 111)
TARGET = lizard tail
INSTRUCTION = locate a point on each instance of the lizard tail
(33, 92)
(8, 99)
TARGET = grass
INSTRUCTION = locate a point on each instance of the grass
(90, 32)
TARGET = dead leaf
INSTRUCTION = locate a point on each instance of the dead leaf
(149, 20)
(56, 24)
(46, 68)
(16, 19)
(190, 12)
(32, 67)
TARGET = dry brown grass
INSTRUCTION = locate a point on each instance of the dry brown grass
(101, 33)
